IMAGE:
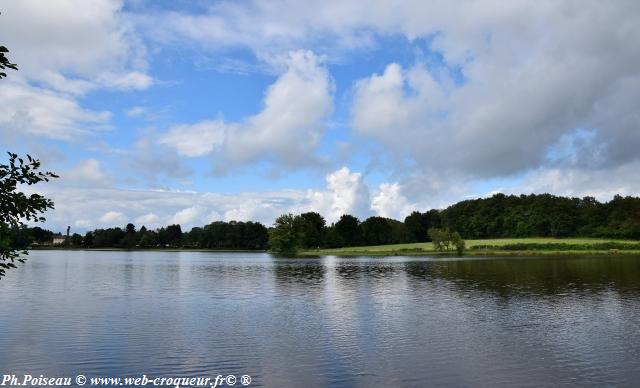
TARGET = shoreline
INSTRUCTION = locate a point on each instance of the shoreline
(145, 249)
(377, 253)
(500, 247)
(471, 254)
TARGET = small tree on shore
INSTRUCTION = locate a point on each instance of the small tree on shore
(285, 238)
(444, 240)
(458, 243)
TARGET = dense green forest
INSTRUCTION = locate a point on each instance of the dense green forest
(544, 215)
(501, 215)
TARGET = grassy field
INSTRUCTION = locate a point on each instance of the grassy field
(428, 249)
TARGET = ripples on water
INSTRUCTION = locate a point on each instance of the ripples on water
(339, 322)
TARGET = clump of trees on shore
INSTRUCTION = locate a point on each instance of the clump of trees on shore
(445, 240)
(544, 215)
(217, 235)
(535, 215)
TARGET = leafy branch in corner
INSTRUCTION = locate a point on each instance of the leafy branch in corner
(4, 62)
(17, 207)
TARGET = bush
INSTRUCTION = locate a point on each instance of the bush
(444, 240)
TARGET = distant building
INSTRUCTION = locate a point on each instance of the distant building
(58, 239)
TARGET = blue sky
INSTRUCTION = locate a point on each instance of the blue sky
(191, 112)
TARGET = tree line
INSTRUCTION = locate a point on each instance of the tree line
(535, 215)
(217, 235)
(544, 215)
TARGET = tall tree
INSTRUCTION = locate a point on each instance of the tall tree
(347, 231)
(417, 225)
(313, 229)
(76, 240)
(87, 240)
(285, 237)
(130, 239)
(174, 235)
(376, 230)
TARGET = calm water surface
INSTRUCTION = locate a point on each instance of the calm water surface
(356, 322)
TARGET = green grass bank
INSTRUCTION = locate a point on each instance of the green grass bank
(533, 246)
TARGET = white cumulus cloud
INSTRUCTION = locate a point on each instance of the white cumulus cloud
(286, 131)
(75, 46)
(149, 220)
(35, 111)
(86, 172)
(185, 217)
(389, 202)
(113, 218)
(346, 193)
(195, 139)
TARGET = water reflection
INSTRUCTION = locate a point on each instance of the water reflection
(289, 271)
(539, 276)
(347, 322)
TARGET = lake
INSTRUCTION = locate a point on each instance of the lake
(339, 322)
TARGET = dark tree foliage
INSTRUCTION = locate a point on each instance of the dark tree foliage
(381, 230)
(347, 231)
(87, 240)
(434, 219)
(228, 235)
(399, 232)
(217, 235)
(148, 238)
(623, 219)
(16, 206)
(20, 237)
(376, 231)
(171, 236)
(40, 236)
(107, 238)
(314, 231)
(416, 227)
(418, 224)
(76, 240)
(174, 235)
(544, 215)
(130, 239)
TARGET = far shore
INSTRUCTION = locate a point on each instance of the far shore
(504, 247)
(471, 253)
(62, 248)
